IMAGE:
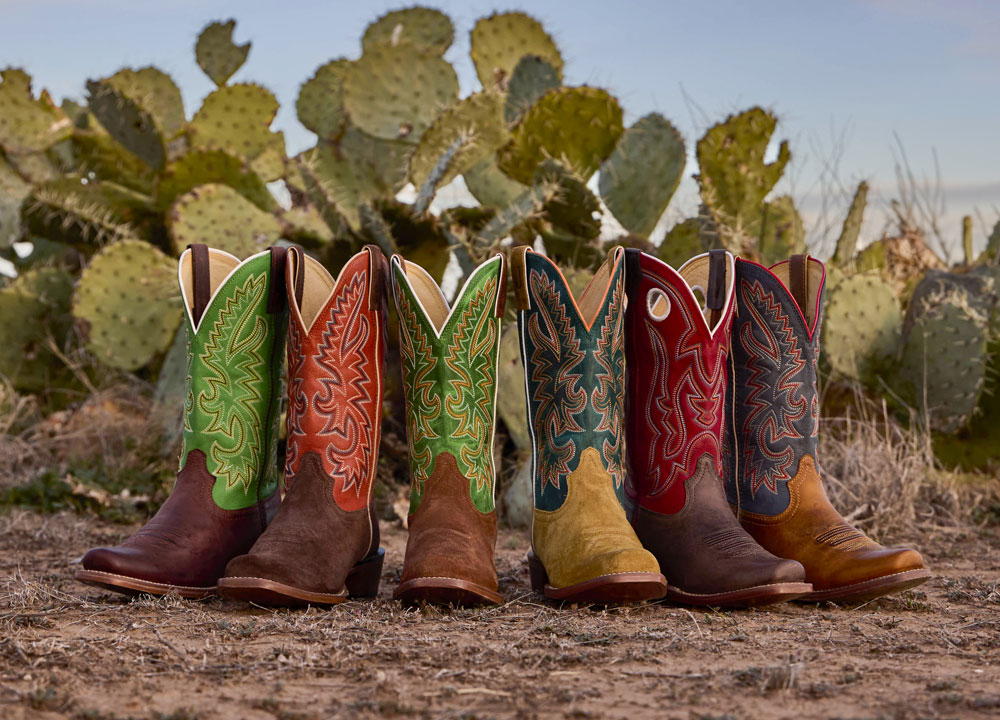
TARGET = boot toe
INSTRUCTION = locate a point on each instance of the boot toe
(116, 561)
(626, 560)
(789, 571)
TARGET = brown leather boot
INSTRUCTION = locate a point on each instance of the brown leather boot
(773, 404)
(676, 378)
(323, 545)
(226, 490)
(449, 361)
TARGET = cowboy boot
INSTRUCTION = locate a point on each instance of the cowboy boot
(583, 548)
(771, 475)
(323, 544)
(676, 378)
(227, 487)
(449, 360)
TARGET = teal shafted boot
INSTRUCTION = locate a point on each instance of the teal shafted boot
(226, 490)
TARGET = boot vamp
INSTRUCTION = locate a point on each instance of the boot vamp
(702, 549)
(312, 543)
(449, 537)
(189, 540)
(588, 536)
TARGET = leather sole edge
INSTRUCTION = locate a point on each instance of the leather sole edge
(756, 596)
(262, 591)
(137, 586)
(871, 589)
(445, 591)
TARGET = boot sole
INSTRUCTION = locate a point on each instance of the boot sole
(604, 590)
(870, 589)
(362, 582)
(756, 596)
(445, 591)
(136, 586)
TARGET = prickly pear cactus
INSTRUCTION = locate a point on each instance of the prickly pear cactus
(237, 119)
(128, 300)
(156, 93)
(511, 403)
(396, 92)
(862, 324)
(642, 174)
(426, 29)
(13, 190)
(127, 122)
(490, 186)
(34, 318)
(67, 210)
(847, 243)
(532, 77)
(498, 43)
(320, 105)
(780, 232)
(577, 126)
(221, 218)
(217, 54)
(27, 124)
(681, 243)
(202, 167)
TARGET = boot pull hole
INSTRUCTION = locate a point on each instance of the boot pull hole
(700, 296)
(657, 304)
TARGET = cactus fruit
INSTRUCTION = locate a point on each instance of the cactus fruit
(395, 92)
(642, 174)
(320, 106)
(733, 176)
(28, 125)
(221, 218)
(237, 119)
(34, 311)
(498, 42)
(217, 54)
(128, 298)
(201, 167)
(861, 327)
(577, 126)
(475, 124)
(490, 186)
(428, 30)
(847, 243)
(532, 77)
(781, 232)
(127, 122)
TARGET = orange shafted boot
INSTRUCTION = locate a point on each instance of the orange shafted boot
(773, 406)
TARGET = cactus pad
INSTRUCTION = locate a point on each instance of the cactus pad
(201, 167)
(128, 298)
(395, 93)
(781, 232)
(490, 186)
(217, 54)
(321, 100)
(34, 310)
(475, 125)
(66, 210)
(13, 190)
(428, 30)
(221, 218)
(682, 243)
(847, 243)
(511, 403)
(642, 174)
(532, 77)
(498, 43)
(577, 126)
(861, 327)
(127, 122)
(236, 119)
(156, 93)
(304, 225)
(28, 125)
(574, 210)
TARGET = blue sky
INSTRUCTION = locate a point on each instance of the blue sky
(845, 78)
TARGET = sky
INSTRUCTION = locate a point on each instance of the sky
(856, 84)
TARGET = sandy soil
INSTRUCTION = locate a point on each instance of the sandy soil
(67, 650)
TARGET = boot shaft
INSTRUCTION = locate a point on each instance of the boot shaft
(449, 360)
(574, 364)
(235, 319)
(336, 366)
(772, 399)
(677, 355)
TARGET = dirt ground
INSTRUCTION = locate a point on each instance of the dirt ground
(67, 650)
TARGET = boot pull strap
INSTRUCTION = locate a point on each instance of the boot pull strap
(378, 278)
(201, 279)
(276, 295)
(715, 294)
(633, 274)
(501, 303)
(519, 273)
(296, 260)
(798, 281)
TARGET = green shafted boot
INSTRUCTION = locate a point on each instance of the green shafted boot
(226, 490)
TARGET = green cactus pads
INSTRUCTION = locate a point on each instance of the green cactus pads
(34, 311)
(681, 243)
(643, 173)
(733, 176)
(847, 243)
(532, 77)
(217, 54)
(574, 210)
(426, 29)
(577, 126)
(155, 92)
(13, 190)
(512, 405)
(202, 167)
(394, 93)
(861, 326)
(66, 210)
(490, 186)
(28, 125)
(221, 218)
(236, 119)
(475, 125)
(304, 225)
(498, 43)
(781, 232)
(320, 106)
(127, 123)
(127, 296)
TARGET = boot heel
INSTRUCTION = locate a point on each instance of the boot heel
(363, 579)
(539, 578)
